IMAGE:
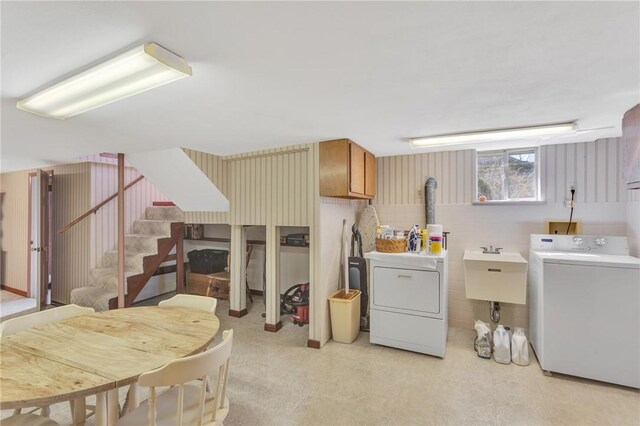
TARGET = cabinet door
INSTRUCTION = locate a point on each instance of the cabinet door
(370, 174)
(357, 169)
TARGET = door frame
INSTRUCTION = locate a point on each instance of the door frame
(30, 176)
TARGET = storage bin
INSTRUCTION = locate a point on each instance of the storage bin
(345, 315)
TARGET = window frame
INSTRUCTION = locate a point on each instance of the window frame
(537, 199)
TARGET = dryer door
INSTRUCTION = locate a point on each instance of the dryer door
(408, 291)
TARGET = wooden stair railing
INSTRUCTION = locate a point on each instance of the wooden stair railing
(136, 283)
(97, 207)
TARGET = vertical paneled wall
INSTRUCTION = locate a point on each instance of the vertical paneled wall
(71, 250)
(216, 170)
(71, 186)
(594, 167)
(601, 204)
(104, 183)
(263, 187)
(14, 228)
(270, 187)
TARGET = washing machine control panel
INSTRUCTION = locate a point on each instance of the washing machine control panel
(596, 244)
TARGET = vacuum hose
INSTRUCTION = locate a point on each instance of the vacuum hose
(429, 199)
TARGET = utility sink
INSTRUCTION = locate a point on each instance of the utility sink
(495, 277)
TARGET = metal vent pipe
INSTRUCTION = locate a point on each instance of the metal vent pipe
(430, 199)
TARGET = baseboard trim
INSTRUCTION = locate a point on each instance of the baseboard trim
(256, 292)
(314, 344)
(273, 327)
(14, 290)
(237, 314)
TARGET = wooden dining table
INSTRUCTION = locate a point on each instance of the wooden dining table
(95, 354)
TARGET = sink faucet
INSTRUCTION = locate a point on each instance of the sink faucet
(491, 249)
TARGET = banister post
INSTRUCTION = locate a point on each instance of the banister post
(120, 231)
(180, 261)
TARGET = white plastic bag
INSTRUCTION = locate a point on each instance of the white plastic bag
(482, 344)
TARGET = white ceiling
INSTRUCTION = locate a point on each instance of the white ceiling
(273, 74)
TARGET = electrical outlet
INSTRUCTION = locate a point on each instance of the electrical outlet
(419, 193)
(569, 203)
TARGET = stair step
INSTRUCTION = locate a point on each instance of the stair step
(107, 278)
(93, 297)
(160, 228)
(133, 261)
(141, 243)
(170, 213)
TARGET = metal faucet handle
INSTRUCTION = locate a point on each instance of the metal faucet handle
(484, 248)
(497, 249)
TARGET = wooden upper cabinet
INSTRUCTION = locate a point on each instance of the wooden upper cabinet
(370, 174)
(346, 170)
(631, 148)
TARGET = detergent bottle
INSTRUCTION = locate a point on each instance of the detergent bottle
(519, 348)
(501, 346)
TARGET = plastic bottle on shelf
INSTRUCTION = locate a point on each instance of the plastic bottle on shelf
(424, 242)
(435, 238)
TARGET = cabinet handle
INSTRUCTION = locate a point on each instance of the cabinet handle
(404, 276)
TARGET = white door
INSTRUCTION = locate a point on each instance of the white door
(40, 238)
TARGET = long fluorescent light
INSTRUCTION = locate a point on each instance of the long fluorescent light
(134, 71)
(493, 135)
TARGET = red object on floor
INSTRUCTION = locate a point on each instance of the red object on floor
(301, 315)
(163, 204)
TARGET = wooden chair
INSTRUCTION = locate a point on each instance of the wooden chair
(225, 276)
(191, 301)
(25, 322)
(186, 403)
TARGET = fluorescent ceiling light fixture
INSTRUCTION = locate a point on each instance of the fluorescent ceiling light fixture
(134, 71)
(493, 135)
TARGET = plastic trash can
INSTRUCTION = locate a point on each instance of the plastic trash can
(345, 315)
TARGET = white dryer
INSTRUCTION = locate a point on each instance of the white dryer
(584, 307)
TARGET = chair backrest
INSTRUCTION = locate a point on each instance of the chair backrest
(14, 325)
(192, 301)
(183, 370)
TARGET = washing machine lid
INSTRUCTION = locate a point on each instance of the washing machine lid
(589, 259)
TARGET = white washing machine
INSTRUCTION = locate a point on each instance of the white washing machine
(584, 307)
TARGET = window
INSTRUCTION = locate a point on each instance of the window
(508, 175)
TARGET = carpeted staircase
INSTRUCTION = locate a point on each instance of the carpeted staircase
(152, 240)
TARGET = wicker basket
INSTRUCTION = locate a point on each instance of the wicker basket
(391, 246)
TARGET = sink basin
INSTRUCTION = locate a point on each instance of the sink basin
(495, 277)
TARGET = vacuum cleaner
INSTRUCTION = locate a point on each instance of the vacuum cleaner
(295, 302)
(358, 275)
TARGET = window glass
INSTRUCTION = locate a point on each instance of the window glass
(510, 175)
(521, 175)
(491, 176)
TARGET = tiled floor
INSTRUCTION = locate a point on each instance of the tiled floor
(276, 380)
